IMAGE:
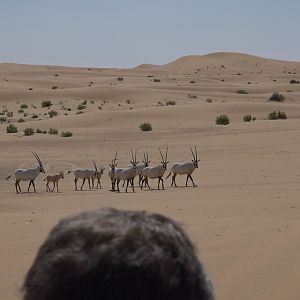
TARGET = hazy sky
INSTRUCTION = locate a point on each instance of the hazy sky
(127, 33)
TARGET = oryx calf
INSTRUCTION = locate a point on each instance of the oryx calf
(28, 175)
(54, 179)
(84, 174)
(186, 168)
(156, 171)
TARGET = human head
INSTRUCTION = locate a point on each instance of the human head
(109, 254)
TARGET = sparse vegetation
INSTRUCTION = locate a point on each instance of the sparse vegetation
(54, 87)
(222, 120)
(44, 131)
(242, 92)
(69, 109)
(34, 116)
(11, 128)
(192, 96)
(21, 120)
(247, 118)
(293, 81)
(276, 97)
(170, 102)
(2, 119)
(209, 100)
(23, 106)
(46, 103)
(52, 113)
(20, 111)
(66, 134)
(192, 81)
(28, 131)
(128, 101)
(79, 112)
(92, 101)
(146, 127)
(81, 106)
(99, 107)
(120, 78)
(10, 114)
(275, 115)
(53, 131)
(156, 80)
(38, 130)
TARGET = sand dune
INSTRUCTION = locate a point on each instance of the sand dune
(244, 214)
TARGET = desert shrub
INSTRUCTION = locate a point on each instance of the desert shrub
(23, 106)
(242, 92)
(222, 120)
(120, 78)
(21, 120)
(145, 127)
(100, 107)
(92, 101)
(192, 81)
(253, 119)
(46, 103)
(20, 111)
(56, 75)
(2, 119)
(26, 114)
(38, 130)
(275, 115)
(11, 128)
(247, 118)
(156, 80)
(30, 89)
(69, 109)
(84, 102)
(10, 114)
(52, 113)
(54, 87)
(192, 96)
(34, 116)
(66, 134)
(293, 81)
(28, 131)
(128, 101)
(53, 131)
(81, 106)
(44, 131)
(160, 103)
(276, 97)
(170, 102)
(79, 112)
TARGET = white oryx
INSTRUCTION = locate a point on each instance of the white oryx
(156, 171)
(28, 175)
(127, 174)
(140, 168)
(54, 179)
(186, 168)
(98, 177)
(112, 171)
(84, 174)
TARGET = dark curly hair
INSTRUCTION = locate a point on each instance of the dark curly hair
(109, 254)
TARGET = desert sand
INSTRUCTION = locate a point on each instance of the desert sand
(244, 213)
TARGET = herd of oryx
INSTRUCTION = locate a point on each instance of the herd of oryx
(116, 174)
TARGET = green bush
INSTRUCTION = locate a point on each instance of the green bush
(53, 131)
(247, 118)
(10, 114)
(28, 131)
(243, 92)
(2, 119)
(170, 102)
(222, 120)
(66, 134)
(145, 127)
(46, 103)
(275, 115)
(52, 113)
(81, 106)
(23, 106)
(11, 128)
(276, 97)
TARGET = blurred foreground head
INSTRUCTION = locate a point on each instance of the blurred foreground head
(108, 254)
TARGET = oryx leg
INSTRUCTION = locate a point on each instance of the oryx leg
(99, 183)
(33, 186)
(127, 181)
(53, 186)
(132, 184)
(17, 185)
(89, 181)
(75, 180)
(192, 180)
(29, 186)
(174, 180)
(118, 182)
(83, 181)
